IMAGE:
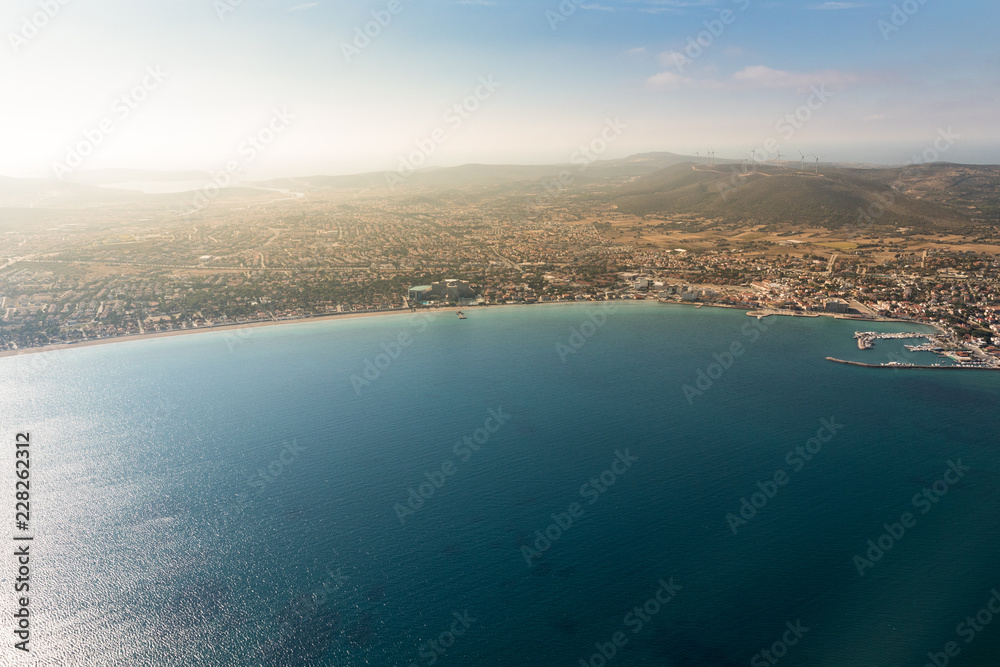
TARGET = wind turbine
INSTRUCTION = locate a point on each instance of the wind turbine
(753, 159)
(711, 154)
(802, 164)
(779, 158)
(816, 170)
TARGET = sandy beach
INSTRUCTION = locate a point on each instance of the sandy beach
(219, 327)
(379, 313)
(270, 323)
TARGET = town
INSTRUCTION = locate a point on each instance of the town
(141, 267)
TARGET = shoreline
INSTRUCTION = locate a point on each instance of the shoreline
(763, 312)
(405, 311)
(127, 338)
(215, 327)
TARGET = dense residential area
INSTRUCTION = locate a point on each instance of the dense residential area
(143, 267)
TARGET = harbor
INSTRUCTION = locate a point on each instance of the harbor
(866, 339)
(962, 355)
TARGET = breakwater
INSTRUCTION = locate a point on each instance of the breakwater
(894, 364)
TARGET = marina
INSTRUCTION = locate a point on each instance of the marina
(866, 339)
(959, 354)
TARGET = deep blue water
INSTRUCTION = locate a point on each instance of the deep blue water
(235, 499)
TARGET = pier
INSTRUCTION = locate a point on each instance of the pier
(900, 366)
(866, 339)
(940, 343)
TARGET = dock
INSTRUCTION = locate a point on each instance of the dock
(901, 366)
(866, 339)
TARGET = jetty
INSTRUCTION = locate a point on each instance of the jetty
(899, 365)
(866, 339)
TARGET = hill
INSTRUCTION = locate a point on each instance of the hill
(488, 175)
(924, 198)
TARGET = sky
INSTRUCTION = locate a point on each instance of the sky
(271, 88)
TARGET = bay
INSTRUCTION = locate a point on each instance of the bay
(224, 499)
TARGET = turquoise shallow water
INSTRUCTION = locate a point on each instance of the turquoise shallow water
(225, 499)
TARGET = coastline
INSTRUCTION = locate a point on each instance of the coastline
(841, 316)
(404, 311)
(216, 327)
(269, 323)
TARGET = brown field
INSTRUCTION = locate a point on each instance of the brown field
(815, 241)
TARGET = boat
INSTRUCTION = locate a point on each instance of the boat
(461, 316)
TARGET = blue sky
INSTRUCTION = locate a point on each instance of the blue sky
(562, 69)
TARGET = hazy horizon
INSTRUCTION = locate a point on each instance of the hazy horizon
(180, 174)
(183, 87)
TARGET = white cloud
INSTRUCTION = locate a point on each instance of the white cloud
(673, 6)
(754, 76)
(670, 80)
(671, 58)
(761, 76)
(840, 5)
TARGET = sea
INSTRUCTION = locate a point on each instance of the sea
(602, 484)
